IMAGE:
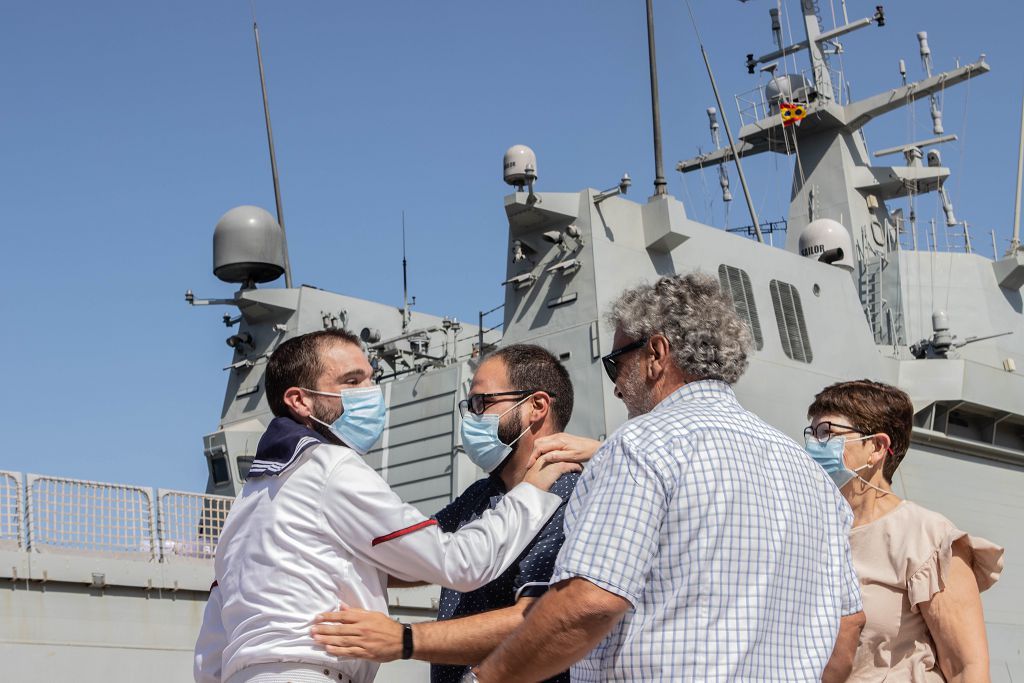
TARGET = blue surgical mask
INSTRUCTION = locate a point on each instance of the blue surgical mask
(480, 439)
(830, 456)
(362, 418)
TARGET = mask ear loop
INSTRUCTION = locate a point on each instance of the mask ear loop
(864, 481)
(513, 442)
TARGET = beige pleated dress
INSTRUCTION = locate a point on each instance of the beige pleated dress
(902, 560)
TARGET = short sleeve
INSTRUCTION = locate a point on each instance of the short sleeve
(617, 524)
(929, 577)
(538, 562)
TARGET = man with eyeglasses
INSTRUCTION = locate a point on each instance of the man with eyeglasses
(315, 525)
(701, 543)
(520, 400)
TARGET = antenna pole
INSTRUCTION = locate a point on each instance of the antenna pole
(732, 146)
(659, 168)
(273, 159)
(405, 280)
(1015, 241)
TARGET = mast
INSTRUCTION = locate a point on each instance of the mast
(273, 159)
(728, 131)
(405, 280)
(1015, 240)
(822, 77)
(659, 169)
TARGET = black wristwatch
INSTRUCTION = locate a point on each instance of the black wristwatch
(406, 641)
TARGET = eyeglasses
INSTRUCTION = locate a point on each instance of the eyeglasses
(610, 364)
(478, 403)
(823, 432)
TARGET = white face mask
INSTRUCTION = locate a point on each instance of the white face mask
(481, 441)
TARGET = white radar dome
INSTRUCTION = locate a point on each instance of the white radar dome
(248, 246)
(517, 159)
(787, 88)
(828, 241)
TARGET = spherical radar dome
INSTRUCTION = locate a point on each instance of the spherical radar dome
(825, 235)
(248, 246)
(517, 159)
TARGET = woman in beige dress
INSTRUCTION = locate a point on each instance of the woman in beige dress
(920, 575)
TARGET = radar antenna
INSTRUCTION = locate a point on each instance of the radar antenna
(273, 158)
(406, 304)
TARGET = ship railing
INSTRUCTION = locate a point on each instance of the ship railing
(752, 105)
(81, 517)
(189, 524)
(12, 519)
(103, 534)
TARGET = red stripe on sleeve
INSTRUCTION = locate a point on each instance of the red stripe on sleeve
(402, 532)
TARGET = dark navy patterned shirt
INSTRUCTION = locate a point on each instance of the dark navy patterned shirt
(527, 577)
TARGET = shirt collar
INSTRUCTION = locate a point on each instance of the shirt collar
(704, 391)
(280, 446)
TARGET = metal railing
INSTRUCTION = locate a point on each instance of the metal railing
(79, 517)
(190, 524)
(87, 517)
(12, 534)
(752, 105)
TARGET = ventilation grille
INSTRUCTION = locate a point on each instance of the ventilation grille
(789, 314)
(736, 283)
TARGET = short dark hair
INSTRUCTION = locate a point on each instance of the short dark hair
(532, 367)
(297, 363)
(872, 408)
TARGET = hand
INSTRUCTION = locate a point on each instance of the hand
(564, 447)
(543, 474)
(359, 633)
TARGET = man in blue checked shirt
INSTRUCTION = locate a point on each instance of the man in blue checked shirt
(701, 543)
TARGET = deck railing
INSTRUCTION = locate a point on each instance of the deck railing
(44, 514)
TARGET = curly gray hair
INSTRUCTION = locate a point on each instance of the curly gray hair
(707, 338)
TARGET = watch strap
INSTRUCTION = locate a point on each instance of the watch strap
(407, 645)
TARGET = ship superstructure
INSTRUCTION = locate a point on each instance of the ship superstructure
(849, 295)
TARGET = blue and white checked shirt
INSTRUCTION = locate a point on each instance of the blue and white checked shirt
(729, 541)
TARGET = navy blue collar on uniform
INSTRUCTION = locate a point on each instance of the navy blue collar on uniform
(281, 445)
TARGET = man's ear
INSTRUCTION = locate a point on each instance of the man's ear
(299, 402)
(540, 403)
(658, 346)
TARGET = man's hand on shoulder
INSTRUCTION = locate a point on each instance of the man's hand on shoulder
(359, 633)
(544, 474)
(563, 447)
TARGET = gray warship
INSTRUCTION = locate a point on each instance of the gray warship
(110, 581)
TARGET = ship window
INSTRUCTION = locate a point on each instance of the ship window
(789, 314)
(244, 463)
(736, 283)
(219, 470)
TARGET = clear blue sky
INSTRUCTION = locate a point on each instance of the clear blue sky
(128, 128)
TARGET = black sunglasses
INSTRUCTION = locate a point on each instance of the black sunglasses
(609, 361)
(477, 403)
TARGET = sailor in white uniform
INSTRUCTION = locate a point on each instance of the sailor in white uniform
(314, 526)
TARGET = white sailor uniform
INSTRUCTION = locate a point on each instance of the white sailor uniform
(327, 530)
